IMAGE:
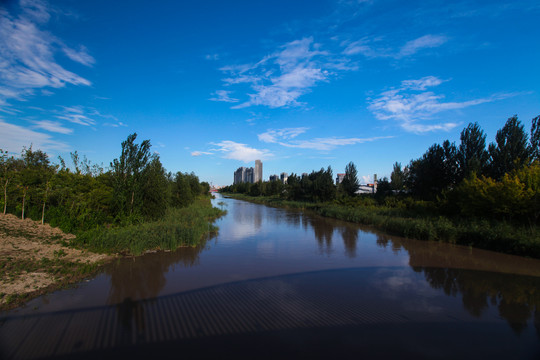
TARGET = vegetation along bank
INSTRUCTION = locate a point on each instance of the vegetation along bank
(486, 196)
(60, 223)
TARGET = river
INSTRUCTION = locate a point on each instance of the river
(279, 283)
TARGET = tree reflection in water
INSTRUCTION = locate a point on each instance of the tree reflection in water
(516, 296)
(143, 277)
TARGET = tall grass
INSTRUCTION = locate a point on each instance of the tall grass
(418, 221)
(179, 227)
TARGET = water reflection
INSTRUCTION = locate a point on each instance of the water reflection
(144, 277)
(458, 273)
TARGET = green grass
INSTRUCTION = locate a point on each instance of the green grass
(419, 220)
(179, 227)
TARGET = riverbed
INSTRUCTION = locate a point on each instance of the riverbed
(279, 283)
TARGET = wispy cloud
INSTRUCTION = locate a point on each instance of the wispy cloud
(423, 42)
(242, 152)
(76, 115)
(200, 153)
(52, 126)
(411, 104)
(27, 53)
(286, 137)
(223, 95)
(280, 79)
(378, 47)
(14, 137)
(81, 56)
(273, 136)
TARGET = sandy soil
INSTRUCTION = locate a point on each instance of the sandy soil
(27, 241)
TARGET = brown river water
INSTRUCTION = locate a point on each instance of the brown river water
(275, 283)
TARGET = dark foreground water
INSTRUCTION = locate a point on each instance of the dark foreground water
(282, 284)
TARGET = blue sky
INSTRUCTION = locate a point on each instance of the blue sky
(298, 84)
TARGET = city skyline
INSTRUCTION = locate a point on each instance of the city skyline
(299, 85)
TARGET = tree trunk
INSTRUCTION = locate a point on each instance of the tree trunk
(44, 202)
(23, 202)
(5, 196)
(132, 198)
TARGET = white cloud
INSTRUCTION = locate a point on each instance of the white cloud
(330, 143)
(52, 126)
(80, 56)
(423, 42)
(375, 47)
(14, 137)
(286, 137)
(223, 95)
(76, 115)
(421, 84)
(27, 54)
(281, 78)
(411, 104)
(200, 153)
(242, 152)
(272, 136)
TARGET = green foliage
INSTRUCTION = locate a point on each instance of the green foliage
(178, 227)
(350, 184)
(510, 150)
(472, 155)
(397, 177)
(434, 172)
(515, 197)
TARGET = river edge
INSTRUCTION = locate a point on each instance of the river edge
(37, 259)
(499, 237)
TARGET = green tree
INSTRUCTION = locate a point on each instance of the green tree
(535, 138)
(350, 182)
(397, 177)
(510, 150)
(434, 172)
(128, 173)
(472, 155)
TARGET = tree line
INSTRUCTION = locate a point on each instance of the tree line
(135, 188)
(500, 180)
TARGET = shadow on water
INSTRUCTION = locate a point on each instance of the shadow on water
(483, 280)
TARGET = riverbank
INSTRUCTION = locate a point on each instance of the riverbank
(419, 223)
(36, 259)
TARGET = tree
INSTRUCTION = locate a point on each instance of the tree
(128, 172)
(350, 182)
(510, 150)
(472, 155)
(7, 171)
(535, 138)
(397, 177)
(434, 172)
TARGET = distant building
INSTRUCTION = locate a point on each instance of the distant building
(248, 175)
(239, 175)
(257, 174)
(304, 174)
(274, 178)
(284, 176)
(339, 178)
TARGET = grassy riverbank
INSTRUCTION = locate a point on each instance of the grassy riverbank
(36, 259)
(416, 220)
(179, 227)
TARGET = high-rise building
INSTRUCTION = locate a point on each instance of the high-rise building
(240, 175)
(249, 175)
(257, 174)
(284, 176)
(274, 178)
(339, 178)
